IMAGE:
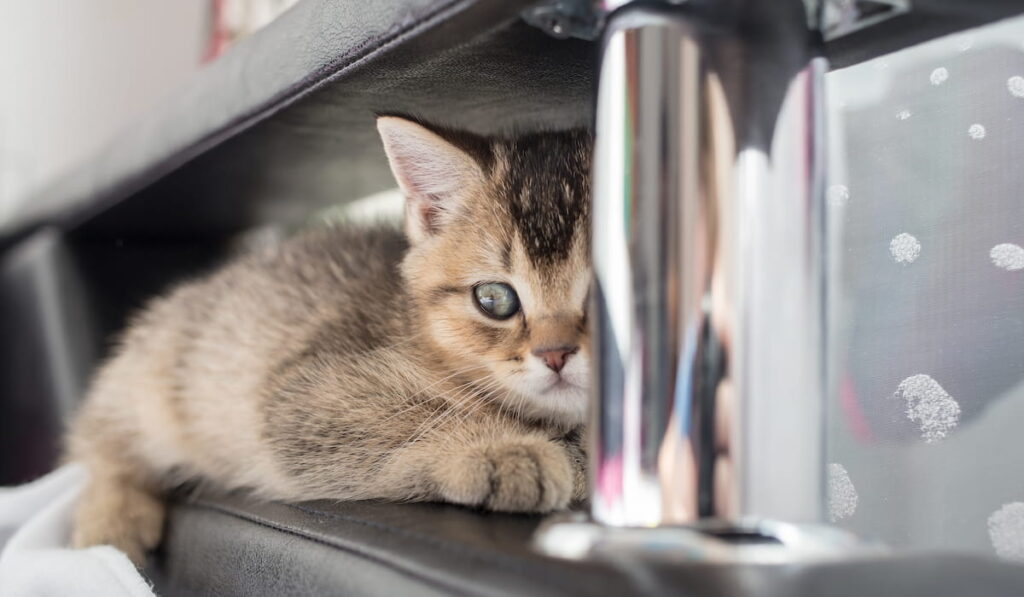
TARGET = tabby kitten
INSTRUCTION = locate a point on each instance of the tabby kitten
(449, 363)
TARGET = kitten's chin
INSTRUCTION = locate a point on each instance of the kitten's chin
(564, 404)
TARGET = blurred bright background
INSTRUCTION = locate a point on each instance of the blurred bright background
(75, 73)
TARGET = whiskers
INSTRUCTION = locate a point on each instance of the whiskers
(456, 406)
(423, 391)
(462, 401)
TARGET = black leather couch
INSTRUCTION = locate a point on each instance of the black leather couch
(233, 546)
(278, 128)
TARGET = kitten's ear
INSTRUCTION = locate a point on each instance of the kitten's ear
(435, 175)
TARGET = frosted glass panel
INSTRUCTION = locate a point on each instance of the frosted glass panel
(927, 178)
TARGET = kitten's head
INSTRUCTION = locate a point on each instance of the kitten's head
(499, 264)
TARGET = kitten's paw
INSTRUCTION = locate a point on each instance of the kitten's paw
(119, 514)
(514, 475)
(581, 484)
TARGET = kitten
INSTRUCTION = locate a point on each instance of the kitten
(449, 363)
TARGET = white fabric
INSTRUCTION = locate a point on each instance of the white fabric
(35, 523)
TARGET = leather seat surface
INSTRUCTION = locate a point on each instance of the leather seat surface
(232, 545)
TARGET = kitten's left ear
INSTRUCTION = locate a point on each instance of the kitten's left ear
(436, 176)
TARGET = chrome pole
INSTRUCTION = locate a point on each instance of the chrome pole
(708, 252)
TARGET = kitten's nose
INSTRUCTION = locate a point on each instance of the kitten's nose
(555, 358)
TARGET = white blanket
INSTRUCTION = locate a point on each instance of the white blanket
(35, 560)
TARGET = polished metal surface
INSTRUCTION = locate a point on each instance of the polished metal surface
(585, 19)
(574, 537)
(607, 6)
(708, 249)
(843, 17)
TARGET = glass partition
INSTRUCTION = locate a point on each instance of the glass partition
(927, 178)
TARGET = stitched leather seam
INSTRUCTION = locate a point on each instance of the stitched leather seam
(509, 563)
(282, 528)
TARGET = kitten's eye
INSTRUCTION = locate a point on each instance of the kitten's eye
(496, 300)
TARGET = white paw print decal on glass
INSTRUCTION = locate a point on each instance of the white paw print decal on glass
(842, 495)
(930, 406)
(1007, 256)
(1006, 530)
(905, 248)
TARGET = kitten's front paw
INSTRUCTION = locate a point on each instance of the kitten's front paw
(512, 475)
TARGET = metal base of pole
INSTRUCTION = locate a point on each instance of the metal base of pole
(575, 537)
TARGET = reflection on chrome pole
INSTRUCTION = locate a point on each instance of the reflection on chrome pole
(708, 249)
(708, 254)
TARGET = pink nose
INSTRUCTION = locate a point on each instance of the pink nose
(555, 358)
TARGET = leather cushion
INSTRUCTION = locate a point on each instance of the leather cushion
(233, 545)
